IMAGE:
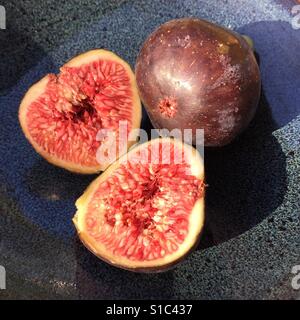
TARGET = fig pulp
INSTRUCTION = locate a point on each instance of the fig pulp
(193, 74)
(146, 211)
(61, 115)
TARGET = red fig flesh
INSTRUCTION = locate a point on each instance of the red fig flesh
(145, 213)
(61, 115)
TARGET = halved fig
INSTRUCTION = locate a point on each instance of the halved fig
(61, 115)
(146, 211)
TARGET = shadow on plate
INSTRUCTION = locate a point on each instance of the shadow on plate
(31, 255)
(246, 180)
(98, 280)
(19, 53)
(52, 183)
(278, 45)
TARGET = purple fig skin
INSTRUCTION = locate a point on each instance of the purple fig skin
(193, 74)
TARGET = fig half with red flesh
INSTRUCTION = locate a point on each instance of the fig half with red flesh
(146, 211)
(193, 74)
(61, 115)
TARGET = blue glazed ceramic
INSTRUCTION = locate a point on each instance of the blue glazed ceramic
(252, 237)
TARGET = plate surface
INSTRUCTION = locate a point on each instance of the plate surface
(252, 236)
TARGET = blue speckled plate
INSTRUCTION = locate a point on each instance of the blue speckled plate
(252, 236)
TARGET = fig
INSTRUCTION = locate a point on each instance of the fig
(61, 115)
(145, 213)
(193, 74)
